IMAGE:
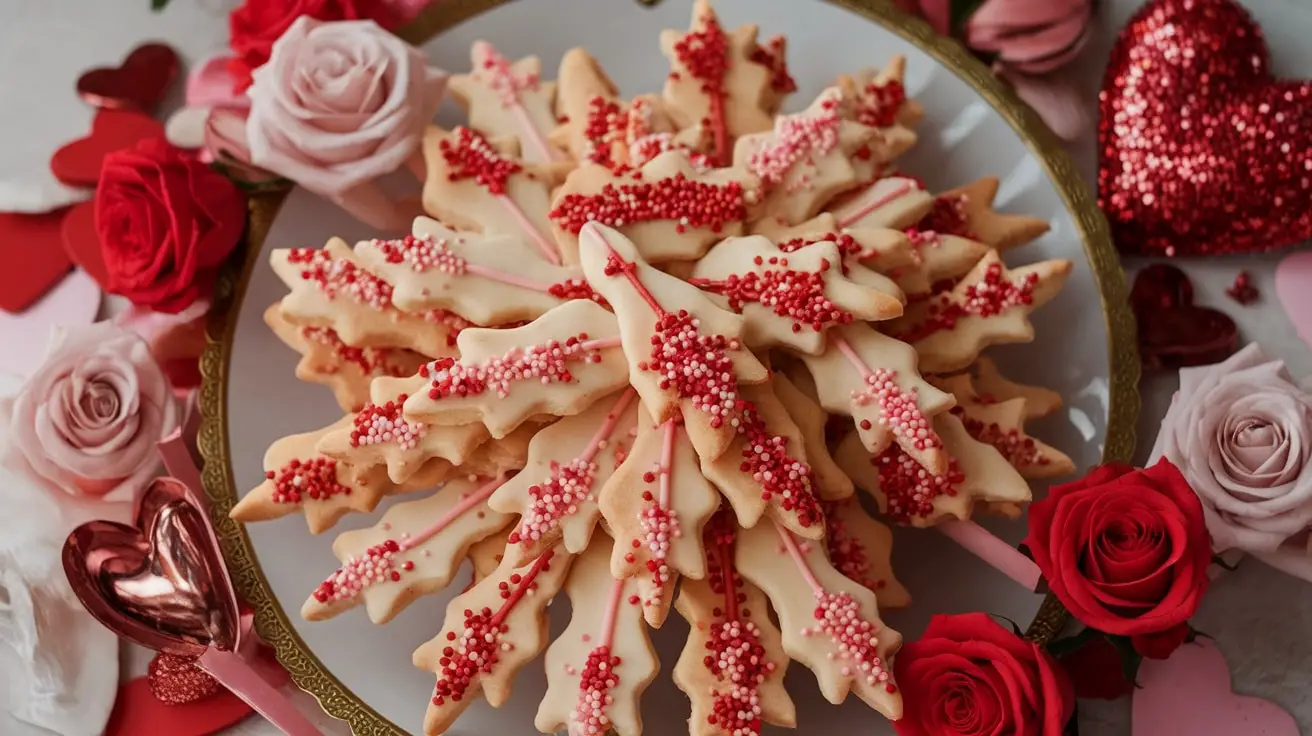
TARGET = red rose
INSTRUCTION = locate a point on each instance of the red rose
(968, 676)
(165, 222)
(1125, 550)
(253, 27)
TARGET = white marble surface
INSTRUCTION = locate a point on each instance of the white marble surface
(1259, 617)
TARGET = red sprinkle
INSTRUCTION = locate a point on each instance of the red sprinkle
(1242, 290)
(470, 156)
(691, 204)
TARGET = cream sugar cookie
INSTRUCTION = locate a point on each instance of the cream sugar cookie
(829, 624)
(656, 505)
(991, 305)
(599, 667)
(507, 98)
(968, 211)
(328, 361)
(804, 161)
(773, 55)
(879, 99)
(568, 464)
(895, 202)
(1002, 424)
(800, 403)
(490, 280)
(991, 386)
(558, 364)
(669, 208)
(714, 79)
(873, 379)
(476, 184)
(379, 434)
(584, 95)
(871, 256)
(485, 556)
(976, 474)
(413, 551)
(789, 299)
(329, 288)
(490, 632)
(733, 664)
(861, 548)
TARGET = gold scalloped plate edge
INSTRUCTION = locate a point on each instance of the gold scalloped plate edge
(272, 622)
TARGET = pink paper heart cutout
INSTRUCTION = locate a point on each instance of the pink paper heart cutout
(73, 303)
(1294, 289)
(1189, 695)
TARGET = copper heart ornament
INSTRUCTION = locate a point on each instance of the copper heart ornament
(161, 584)
(139, 83)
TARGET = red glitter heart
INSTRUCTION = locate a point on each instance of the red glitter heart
(1202, 151)
(1174, 333)
(78, 163)
(32, 246)
(138, 84)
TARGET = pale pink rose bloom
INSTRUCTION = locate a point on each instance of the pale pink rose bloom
(87, 420)
(339, 104)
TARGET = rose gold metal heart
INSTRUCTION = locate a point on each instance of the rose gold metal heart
(162, 584)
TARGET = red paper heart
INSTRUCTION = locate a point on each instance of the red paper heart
(32, 247)
(140, 82)
(82, 243)
(137, 712)
(1173, 332)
(78, 163)
(1202, 151)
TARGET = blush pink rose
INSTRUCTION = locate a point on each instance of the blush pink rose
(340, 104)
(87, 420)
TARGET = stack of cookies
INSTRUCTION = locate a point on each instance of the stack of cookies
(647, 350)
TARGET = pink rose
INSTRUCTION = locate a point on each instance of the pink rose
(340, 104)
(1241, 433)
(87, 420)
(1030, 36)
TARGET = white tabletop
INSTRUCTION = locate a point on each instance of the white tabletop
(1257, 616)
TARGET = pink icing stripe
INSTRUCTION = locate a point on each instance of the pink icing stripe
(601, 343)
(1003, 557)
(612, 611)
(607, 427)
(667, 460)
(455, 512)
(493, 274)
(540, 141)
(544, 244)
(849, 352)
(874, 204)
(790, 544)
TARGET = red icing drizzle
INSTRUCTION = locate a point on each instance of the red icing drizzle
(796, 295)
(299, 480)
(691, 204)
(468, 155)
(989, 297)
(705, 55)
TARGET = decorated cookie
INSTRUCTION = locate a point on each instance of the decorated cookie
(976, 474)
(585, 95)
(871, 256)
(892, 202)
(329, 288)
(474, 184)
(788, 298)
(991, 386)
(669, 208)
(879, 99)
(968, 211)
(490, 632)
(656, 505)
(830, 624)
(491, 280)
(568, 463)
(559, 364)
(413, 551)
(805, 160)
(485, 556)
(861, 549)
(508, 99)
(773, 55)
(989, 306)
(732, 666)
(1002, 424)
(599, 667)
(714, 81)
(873, 379)
(831, 482)
(328, 361)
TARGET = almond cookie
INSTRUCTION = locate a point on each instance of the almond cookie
(558, 364)
(861, 548)
(830, 624)
(789, 299)
(655, 506)
(508, 99)
(328, 361)
(713, 80)
(908, 495)
(568, 464)
(490, 280)
(669, 208)
(473, 184)
(413, 551)
(330, 289)
(732, 667)
(599, 667)
(873, 379)
(991, 386)
(1002, 424)
(989, 306)
(490, 632)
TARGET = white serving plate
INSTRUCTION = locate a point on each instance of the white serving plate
(962, 138)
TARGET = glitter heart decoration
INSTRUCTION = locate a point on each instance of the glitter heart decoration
(1201, 150)
(139, 83)
(1173, 331)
